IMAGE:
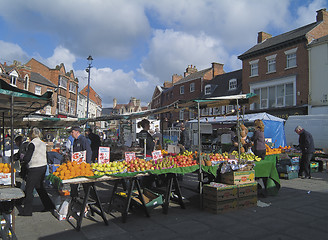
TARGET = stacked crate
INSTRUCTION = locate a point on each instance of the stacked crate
(238, 190)
(314, 167)
(288, 167)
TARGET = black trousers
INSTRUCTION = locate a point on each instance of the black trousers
(35, 177)
(305, 164)
(260, 153)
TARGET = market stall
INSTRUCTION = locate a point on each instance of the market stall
(15, 104)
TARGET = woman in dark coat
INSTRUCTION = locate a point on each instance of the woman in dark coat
(258, 139)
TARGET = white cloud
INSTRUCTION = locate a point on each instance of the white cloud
(100, 28)
(121, 85)
(307, 14)
(61, 55)
(10, 52)
(171, 52)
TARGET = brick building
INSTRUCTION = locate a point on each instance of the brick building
(277, 68)
(65, 97)
(22, 77)
(191, 85)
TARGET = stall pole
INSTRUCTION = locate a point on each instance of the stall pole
(3, 134)
(145, 150)
(12, 140)
(200, 177)
(238, 131)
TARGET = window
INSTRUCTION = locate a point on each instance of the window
(13, 80)
(207, 89)
(278, 95)
(26, 82)
(182, 90)
(271, 63)
(62, 104)
(48, 110)
(232, 84)
(191, 114)
(192, 87)
(71, 107)
(72, 87)
(62, 82)
(291, 58)
(37, 90)
(254, 67)
(171, 94)
(181, 115)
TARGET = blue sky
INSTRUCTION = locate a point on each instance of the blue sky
(138, 44)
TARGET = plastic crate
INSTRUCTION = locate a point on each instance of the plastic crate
(281, 168)
(289, 175)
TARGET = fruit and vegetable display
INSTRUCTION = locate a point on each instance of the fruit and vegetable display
(5, 168)
(278, 150)
(73, 169)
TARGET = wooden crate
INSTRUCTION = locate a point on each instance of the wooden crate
(247, 202)
(238, 177)
(246, 190)
(220, 192)
(221, 206)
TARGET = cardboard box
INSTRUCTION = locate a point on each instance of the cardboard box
(246, 190)
(221, 206)
(238, 177)
(220, 192)
(60, 217)
(151, 199)
(246, 202)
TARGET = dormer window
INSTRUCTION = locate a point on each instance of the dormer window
(232, 84)
(208, 89)
(13, 80)
(26, 82)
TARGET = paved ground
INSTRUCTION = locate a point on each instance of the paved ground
(299, 211)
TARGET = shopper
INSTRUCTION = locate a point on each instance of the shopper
(258, 139)
(183, 142)
(95, 143)
(36, 159)
(158, 139)
(20, 155)
(306, 145)
(145, 125)
(81, 143)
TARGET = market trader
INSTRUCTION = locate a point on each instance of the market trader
(150, 144)
(95, 143)
(81, 143)
(258, 139)
(36, 159)
(306, 145)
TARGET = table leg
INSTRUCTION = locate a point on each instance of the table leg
(178, 190)
(100, 212)
(128, 201)
(113, 195)
(141, 197)
(167, 194)
(86, 188)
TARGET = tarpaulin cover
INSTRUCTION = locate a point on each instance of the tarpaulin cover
(275, 130)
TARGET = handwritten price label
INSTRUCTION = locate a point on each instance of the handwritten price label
(104, 155)
(129, 156)
(157, 155)
(79, 157)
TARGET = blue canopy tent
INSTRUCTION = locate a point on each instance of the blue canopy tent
(273, 126)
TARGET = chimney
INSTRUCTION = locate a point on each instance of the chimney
(114, 102)
(217, 69)
(134, 101)
(190, 70)
(261, 36)
(167, 84)
(322, 15)
(176, 78)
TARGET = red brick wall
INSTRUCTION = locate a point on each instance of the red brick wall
(301, 71)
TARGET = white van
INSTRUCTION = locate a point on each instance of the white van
(317, 125)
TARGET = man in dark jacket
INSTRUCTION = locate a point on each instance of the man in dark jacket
(306, 145)
(81, 143)
(95, 143)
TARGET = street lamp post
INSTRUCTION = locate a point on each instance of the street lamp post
(88, 69)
